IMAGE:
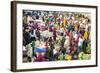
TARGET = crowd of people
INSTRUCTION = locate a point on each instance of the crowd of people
(56, 36)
